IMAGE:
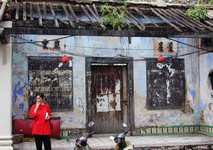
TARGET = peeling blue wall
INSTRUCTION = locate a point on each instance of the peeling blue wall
(206, 92)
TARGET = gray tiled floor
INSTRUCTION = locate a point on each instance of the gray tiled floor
(100, 142)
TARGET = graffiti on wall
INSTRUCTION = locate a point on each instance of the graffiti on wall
(166, 84)
(20, 97)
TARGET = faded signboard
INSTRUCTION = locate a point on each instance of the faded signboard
(45, 76)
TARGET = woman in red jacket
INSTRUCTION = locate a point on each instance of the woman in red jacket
(40, 112)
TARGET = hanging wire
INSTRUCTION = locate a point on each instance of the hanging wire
(75, 54)
(64, 37)
(90, 47)
(189, 45)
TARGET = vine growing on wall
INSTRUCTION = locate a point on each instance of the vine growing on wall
(114, 16)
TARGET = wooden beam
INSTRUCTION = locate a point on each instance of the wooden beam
(179, 20)
(184, 21)
(97, 17)
(149, 32)
(166, 20)
(95, 9)
(92, 12)
(131, 20)
(68, 16)
(173, 18)
(198, 23)
(44, 10)
(3, 7)
(24, 12)
(182, 14)
(54, 15)
(31, 11)
(39, 15)
(86, 12)
(73, 13)
(140, 12)
(17, 11)
(138, 22)
(208, 22)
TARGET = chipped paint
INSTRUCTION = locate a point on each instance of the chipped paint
(140, 47)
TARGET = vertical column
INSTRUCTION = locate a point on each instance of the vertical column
(6, 97)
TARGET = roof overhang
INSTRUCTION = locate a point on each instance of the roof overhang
(84, 19)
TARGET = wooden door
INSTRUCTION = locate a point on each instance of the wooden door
(106, 100)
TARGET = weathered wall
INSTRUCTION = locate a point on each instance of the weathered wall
(5, 93)
(109, 47)
(185, 116)
(206, 92)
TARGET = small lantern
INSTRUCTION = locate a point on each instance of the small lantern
(65, 59)
(170, 47)
(57, 44)
(160, 46)
(161, 59)
(44, 43)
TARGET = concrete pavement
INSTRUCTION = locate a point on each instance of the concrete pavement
(140, 142)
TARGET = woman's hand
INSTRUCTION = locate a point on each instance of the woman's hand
(47, 116)
(37, 106)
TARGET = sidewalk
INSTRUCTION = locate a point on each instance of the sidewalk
(104, 143)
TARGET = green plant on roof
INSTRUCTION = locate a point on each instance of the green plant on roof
(114, 16)
(197, 12)
(211, 2)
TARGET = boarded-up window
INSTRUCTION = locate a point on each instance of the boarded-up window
(45, 76)
(165, 84)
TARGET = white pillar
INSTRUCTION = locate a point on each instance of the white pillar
(5, 97)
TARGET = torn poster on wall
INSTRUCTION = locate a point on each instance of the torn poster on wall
(109, 101)
(106, 86)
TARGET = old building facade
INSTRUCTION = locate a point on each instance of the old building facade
(156, 84)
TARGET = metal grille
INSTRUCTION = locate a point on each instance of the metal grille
(46, 77)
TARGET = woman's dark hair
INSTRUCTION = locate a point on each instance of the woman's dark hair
(40, 94)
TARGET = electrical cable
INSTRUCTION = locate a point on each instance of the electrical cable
(36, 43)
(201, 48)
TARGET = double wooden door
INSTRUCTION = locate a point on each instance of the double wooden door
(108, 96)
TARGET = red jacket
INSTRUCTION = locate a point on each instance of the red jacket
(40, 125)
